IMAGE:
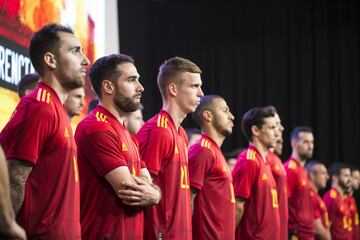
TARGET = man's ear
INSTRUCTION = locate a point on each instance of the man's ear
(107, 86)
(172, 89)
(50, 60)
(207, 116)
(255, 130)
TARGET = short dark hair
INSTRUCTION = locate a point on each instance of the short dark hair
(106, 68)
(92, 104)
(28, 82)
(295, 132)
(45, 40)
(255, 116)
(336, 168)
(205, 104)
(172, 67)
(191, 131)
(310, 165)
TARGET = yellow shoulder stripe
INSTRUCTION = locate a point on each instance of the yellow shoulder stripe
(205, 143)
(101, 117)
(250, 154)
(333, 193)
(43, 95)
(292, 164)
(162, 121)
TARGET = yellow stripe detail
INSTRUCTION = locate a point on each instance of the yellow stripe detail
(76, 170)
(43, 96)
(162, 121)
(48, 97)
(158, 120)
(166, 122)
(97, 116)
(39, 94)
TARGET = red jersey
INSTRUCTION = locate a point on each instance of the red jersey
(319, 209)
(104, 144)
(164, 150)
(301, 216)
(254, 182)
(39, 133)
(211, 177)
(339, 215)
(351, 202)
(279, 174)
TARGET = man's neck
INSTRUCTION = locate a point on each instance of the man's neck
(109, 105)
(261, 148)
(296, 156)
(51, 81)
(214, 135)
(175, 112)
(314, 188)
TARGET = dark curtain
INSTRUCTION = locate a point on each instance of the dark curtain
(300, 56)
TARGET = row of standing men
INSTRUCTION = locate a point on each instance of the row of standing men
(104, 183)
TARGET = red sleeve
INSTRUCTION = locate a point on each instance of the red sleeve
(102, 151)
(329, 202)
(244, 175)
(316, 207)
(156, 144)
(200, 162)
(28, 130)
(292, 179)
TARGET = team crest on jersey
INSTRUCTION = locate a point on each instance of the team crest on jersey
(66, 133)
(124, 147)
(162, 121)
(101, 117)
(205, 143)
(250, 154)
(264, 177)
(43, 95)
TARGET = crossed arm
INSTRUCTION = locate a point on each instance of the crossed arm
(134, 191)
(9, 229)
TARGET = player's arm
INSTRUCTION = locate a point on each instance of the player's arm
(240, 204)
(192, 198)
(320, 231)
(141, 191)
(19, 172)
(8, 226)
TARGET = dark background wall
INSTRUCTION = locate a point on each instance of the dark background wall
(302, 56)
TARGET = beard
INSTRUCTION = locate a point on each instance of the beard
(72, 83)
(346, 187)
(306, 156)
(126, 104)
(221, 129)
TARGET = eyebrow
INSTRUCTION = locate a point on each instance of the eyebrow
(75, 47)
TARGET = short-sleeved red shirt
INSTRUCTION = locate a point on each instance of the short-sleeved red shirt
(339, 215)
(104, 144)
(211, 177)
(319, 209)
(301, 223)
(163, 147)
(354, 216)
(279, 174)
(39, 133)
(254, 182)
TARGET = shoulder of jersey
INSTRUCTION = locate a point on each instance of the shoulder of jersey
(42, 95)
(161, 121)
(292, 164)
(205, 143)
(250, 155)
(333, 194)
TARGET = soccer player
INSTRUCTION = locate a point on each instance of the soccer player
(318, 177)
(279, 174)
(193, 135)
(257, 207)
(355, 177)
(338, 209)
(9, 229)
(38, 140)
(301, 220)
(163, 146)
(210, 177)
(74, 104)
(134, 120)
(114, 181)
(27, 83)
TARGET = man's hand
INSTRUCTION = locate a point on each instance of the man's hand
(13, 232)
(141, 193)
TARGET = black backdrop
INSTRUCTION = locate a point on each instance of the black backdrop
(302, 56)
